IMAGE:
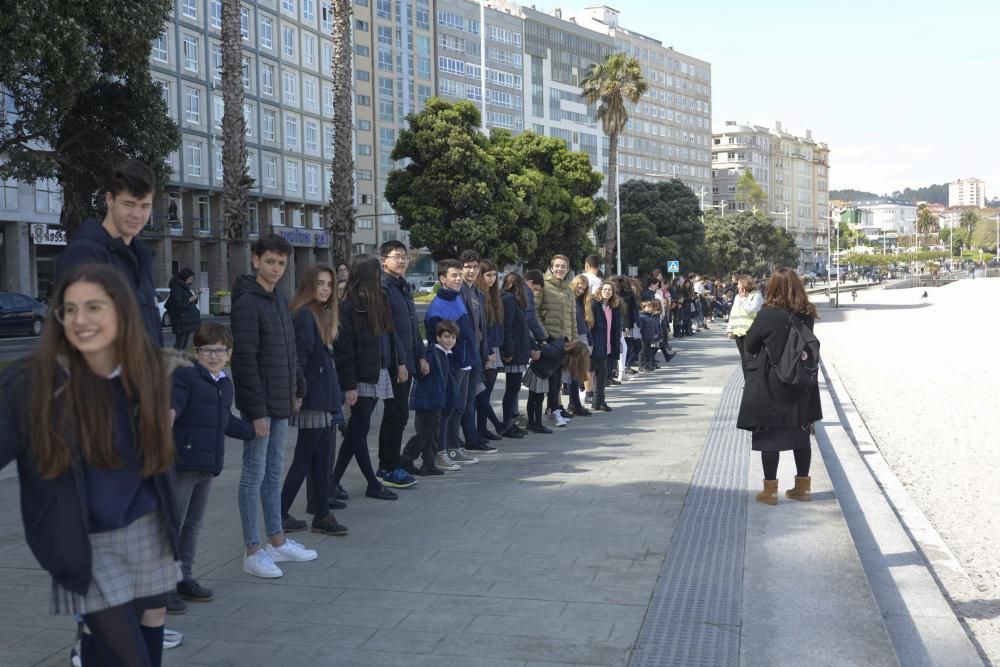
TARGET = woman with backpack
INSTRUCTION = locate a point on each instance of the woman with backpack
(779, 415)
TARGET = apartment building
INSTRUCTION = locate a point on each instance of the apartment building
(967, 192)
(791, 168)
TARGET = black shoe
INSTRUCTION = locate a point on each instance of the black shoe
(189, 589)
(613, 382)
(484, 448)
(292, 525)
(430, 471)
(380, 493)
(538, 428)
(581, 412)
(513, 432)
(328, 526)
(175, 605)
(341, 494)
(601, 407)
(671, 356)
(409, 467)
(332, 503)
(490, 436)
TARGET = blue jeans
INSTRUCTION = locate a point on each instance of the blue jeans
(260, 482)
(469, 417)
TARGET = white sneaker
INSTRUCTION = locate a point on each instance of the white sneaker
(462, 455)
(557, 417)
(443, 461)
(290, 551)
(260, 564)
(171, 639)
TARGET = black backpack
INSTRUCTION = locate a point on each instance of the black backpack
(798, 364)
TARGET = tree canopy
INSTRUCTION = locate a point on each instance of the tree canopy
(748, 190)
(674, 211)
(747, 242)
(83, 98)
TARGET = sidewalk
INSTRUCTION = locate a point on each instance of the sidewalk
(628, 537)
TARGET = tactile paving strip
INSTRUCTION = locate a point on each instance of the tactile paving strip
(693, 619)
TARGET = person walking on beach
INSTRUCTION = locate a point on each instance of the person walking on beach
(779, 416)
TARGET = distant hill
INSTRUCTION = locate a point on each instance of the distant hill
(934, 194)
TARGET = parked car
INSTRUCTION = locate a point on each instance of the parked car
(162, 294)
(20, 314)
(426, 287)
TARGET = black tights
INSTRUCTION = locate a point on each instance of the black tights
(117, 639)
(803, 458)
(510, 394)
(312, 460)
(535, 408)
(356, 443)
(484, 407)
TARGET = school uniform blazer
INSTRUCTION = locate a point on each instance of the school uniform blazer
(517, 339)
(323, 390)
(647, 327)
(600, 332)
(551, 360)
(436, 390)
(356, 351)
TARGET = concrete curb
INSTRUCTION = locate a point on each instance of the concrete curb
(898, 546)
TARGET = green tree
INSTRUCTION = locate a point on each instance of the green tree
(674, 210)
(748, 191)
(82, 95)
(613, 85)
(747, 242)
(968, 221)
(454, 193)
(642, 246)
(558, 189)
(927, 220)
(341, 210)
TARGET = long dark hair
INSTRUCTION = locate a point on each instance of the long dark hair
(325, 314)
(514, 283)
(494, 305)
(81, 424)
(786, 291)
(364, 288)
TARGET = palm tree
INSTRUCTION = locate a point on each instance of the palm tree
(236, 180)
(968, 222)
(341, 220)
(927, 222)
(613, 85)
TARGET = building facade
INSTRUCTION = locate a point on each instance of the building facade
(793, 171)
(967, 192)
(886, 221)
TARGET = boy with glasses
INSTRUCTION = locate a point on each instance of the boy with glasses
(201, 406)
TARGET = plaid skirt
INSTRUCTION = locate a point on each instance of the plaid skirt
(516, 368)
(311, 419)
(127, 564)
(535, 383)
(381, 390)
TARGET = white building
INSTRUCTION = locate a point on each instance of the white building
(888, 219)
(967, 192)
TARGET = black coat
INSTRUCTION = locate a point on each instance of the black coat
(316, 360)
(551, 359)
(404, 320)
(55, 511)
(767, 401)
(184, 314)
(356, 350)
(517, 339)
(265, 366)
(92, 244)
(600, 332)
(204, 418)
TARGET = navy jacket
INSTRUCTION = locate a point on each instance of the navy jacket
(323, 390)
(582, 328)
(184, 314)
(475, 305)
(55, 511)
(647, 327)
(517, 340)
(204, 418)
(357, 349)
(447, 305)
(404, 320)
(531, 316)
(600, 332)
(551, 360)
(266, 371)
(437, 390)
(91, 244)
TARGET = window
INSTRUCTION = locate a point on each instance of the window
(190, 53)
(362, 75)
(362, 51)
(450, 65)
(288, 41)
(267, 79)
(270, 172)
(291, 133)
(164, 93)
(383, 9)
(423, 19)
(385, 60)
(248, 118)
(451, 20)
(312, 136)
(251, 161)
(217, 64)
(361, 25)
(312, 179)
(204, 213)
(267, 125)
(266, 32)
(309, 11)
(215, 9)
(189, 8)
(364, 125)
(192, 106)
(327, 101)
(246, 73)
(253, 218)
(8, 194)
(364, 174)
(384, 35)
(288, 6)
(309, 94)
(48, 196)
(160, 48)
(363, 100)
(218, 109)
(292, 175)
(290, 86)
(245, 23)
(328, 142)
(308, 49)
(364, 149)
(192, 156)
(326, 18)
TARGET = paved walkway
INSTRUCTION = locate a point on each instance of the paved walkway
(562, 549)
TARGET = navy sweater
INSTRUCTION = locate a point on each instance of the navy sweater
(447, 305)
(437, 390)
(647, 327)
(323, 390)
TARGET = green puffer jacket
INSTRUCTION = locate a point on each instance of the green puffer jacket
(557, 307)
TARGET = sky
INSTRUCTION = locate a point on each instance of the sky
(905, 93)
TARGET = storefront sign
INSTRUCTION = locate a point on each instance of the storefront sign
(43, 235)
(304, 238)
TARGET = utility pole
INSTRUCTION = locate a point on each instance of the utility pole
(784, 213)
(701, 196)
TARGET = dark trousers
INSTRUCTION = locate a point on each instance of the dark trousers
(743, 357)
(510, 395)
(193, 487)
(469, 416)
(181, 340)
(312, 459)
(600, 367)
(574, 394)
(330, 462)
(633, 347)
(534, 408)
(356, 442)
(648, 352)
(395, 414)
(555, 387)
(484, 404)
(454, 415)
(425, 443)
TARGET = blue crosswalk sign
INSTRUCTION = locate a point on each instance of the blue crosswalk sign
(673, 266)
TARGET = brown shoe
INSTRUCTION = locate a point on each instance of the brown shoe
(802, 490)
(769, 496)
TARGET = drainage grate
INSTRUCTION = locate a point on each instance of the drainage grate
(693, 618)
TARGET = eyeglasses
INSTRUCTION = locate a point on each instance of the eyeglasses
(402, 259)
(213, 351)
(93, 310)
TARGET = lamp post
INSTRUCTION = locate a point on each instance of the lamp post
(721, 206)
(784, 213)
(618, 223)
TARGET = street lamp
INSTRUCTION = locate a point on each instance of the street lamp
(721, 206)
(784, 213)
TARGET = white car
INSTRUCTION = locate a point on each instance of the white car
(162, 293)
(426, 287)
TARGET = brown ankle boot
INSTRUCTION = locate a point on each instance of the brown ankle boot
(769, 496)
(802, 490)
